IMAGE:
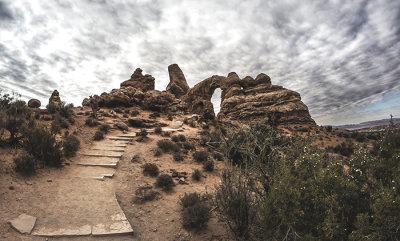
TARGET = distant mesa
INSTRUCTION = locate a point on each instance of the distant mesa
(246, 99)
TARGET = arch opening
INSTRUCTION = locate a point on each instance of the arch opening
(216, 100)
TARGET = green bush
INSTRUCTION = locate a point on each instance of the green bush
(25, 164)
(98, 135)
(200, 156)
(41, 144)
(71, 145)
(167, 146)
(188, 146)
(13, 114)
(165, 182)
(344, 148)
(150, 169)
(135, 113)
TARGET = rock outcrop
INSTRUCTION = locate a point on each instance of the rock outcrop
(177, 85)
(55, 98)
(140, 81)
(34, 103)
(246, 99)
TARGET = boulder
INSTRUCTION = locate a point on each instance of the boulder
(140, 81)
(122, 126)
(177, 85)
(34, 103)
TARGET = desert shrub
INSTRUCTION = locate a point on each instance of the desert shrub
(40, 143)
(197, 175)
(192, 124)
(137, 123)
(158, 130)
(135, 158)
(125, 115)
(13, 114)
(55, 127)
(154, 115)
(170, 117)
(329, 128)
(235, 203)
(99, 135)
(25, 164)
(167, 145)
(158, 152)
(104, 128)
(126, 111)
(165, 182)
(90, 121)
(166, 134)
(178, 157)
(175, 138)
(208, 166)
(196, 212)
(52, 108)
(150, 169)
(344, 148)
(65, 110)
(71, 145)
(188, 146)
(218, 156)
(134, 113)
(200, 156)
(118, 110)
(143, 133)
(145, 193)
(182, 138)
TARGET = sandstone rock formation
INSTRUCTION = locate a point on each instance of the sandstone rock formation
(34, 103)
(246, 99)
(55, 98)
(177, 85)
(139, 81)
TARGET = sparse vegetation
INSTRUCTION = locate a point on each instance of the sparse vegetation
(104, 128)
(167, 146)
(90, 121)
(142, 133)
(71, 145)
(165, 182)
(158, 130)
(200, 156)
(151, 169)
(99, 135)
(145, 193)
(178, 157)
(25, 164)
(196, 212)
(208, 166)
(197, 175)
(158, 152)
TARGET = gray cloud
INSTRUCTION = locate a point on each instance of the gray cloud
(342, 56)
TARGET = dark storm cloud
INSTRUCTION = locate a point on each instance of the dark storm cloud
(5, 13)
(342, 56)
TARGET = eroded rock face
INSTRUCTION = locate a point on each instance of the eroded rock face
(140, 81)
(177, 85)
(55, 98)
(248, 99)
(34, 103)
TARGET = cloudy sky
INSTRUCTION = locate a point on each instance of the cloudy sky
(342, 56)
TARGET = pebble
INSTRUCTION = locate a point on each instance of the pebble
(49, 180)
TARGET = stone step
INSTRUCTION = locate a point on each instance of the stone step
(116, 138)
(101, 155)
(98, 164)
(96, 172)
(107, 149)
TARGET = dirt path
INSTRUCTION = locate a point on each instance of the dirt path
(96, 198)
